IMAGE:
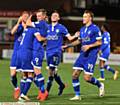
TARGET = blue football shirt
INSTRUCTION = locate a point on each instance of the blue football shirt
(55, 36)
(89, 35)
(105, 42)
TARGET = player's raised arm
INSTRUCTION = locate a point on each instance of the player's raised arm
(14, 29)
(28, 22)
(21, 22)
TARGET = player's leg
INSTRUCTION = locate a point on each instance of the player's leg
(26, 58)
(27, 85)
(77, 68)
(50, 79)
(101, 66)
(13, 69)
(13, 77)
(114, 72)
(88, 74)
(37, 64)
(92, 80)
(53, 66)
(40, 82)
(60, 83)
(76, 84)
(13, 74)
(24, 77)
(103, 58)
(35, 80)
(50, 74)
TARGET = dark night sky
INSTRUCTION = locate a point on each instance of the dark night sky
(29, 4)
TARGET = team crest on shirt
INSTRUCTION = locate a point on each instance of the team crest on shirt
(86, 39)
(89, 32)
(57, 30)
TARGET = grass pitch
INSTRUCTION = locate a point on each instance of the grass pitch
(89, 93)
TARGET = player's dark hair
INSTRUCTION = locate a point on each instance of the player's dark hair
(90, 12)
(44, 12)
(34, 18)
(25, 12)
(106, 26)
(55, 11)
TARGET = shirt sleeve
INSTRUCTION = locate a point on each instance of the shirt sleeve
(65, 31)
(36, 32)
(36, 24)
(98, 33)
(43, 30)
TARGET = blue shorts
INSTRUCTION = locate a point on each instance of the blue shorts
(24, 59)
(37, 59)
(86, 64)
(53, 59)
(104, 55)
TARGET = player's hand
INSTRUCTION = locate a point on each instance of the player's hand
(85, 48)
(64, 47)
(28, 22)
(20, 19)
(77, 34)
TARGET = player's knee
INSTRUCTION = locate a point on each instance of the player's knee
(37, 71)
(51, 73)
(102, 63)
(52, 67)
(75, 75)
(24, 75)
(13, 72)
(87, 78)
(30, 74)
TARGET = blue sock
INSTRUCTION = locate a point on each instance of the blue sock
(102, 72)
(36, 81)
(14, 81)
(76, 86)
(40, 79)
(49, 83)
(58, 80)
(109, 69)
(94, 81)
(22, 85)
(27, 85)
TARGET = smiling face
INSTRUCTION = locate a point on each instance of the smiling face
(86, 18)
(40, 16)
(25, 16)
(55, 17)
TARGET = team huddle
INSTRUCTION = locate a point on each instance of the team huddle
(32, 31)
